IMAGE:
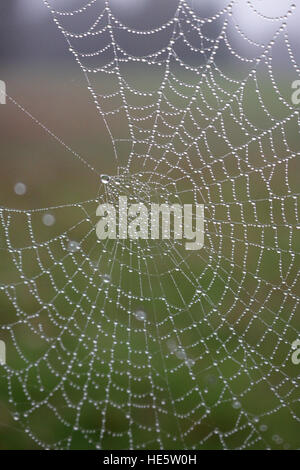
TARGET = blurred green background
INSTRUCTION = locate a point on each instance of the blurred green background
(210, 367)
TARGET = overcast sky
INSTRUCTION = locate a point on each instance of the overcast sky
(32, 19)
(33, 10)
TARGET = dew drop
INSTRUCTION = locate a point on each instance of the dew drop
(73, 246)
(236, 405)
(95, 265)
(48, 220)
(105, 179)
(190, 362)
(106, 278)
(20, 189)
(140, 315)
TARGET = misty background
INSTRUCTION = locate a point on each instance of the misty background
(43, 77)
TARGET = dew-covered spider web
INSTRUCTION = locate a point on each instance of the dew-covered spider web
(123, 344)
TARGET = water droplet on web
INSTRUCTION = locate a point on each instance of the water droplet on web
(73, 246)
(105, 179)
(48, 220)
(190, 362)
(236, 405)
(106, 278)
(140, 315)
(20, 189)
(95, 265)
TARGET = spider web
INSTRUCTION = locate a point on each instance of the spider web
(141, 344)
